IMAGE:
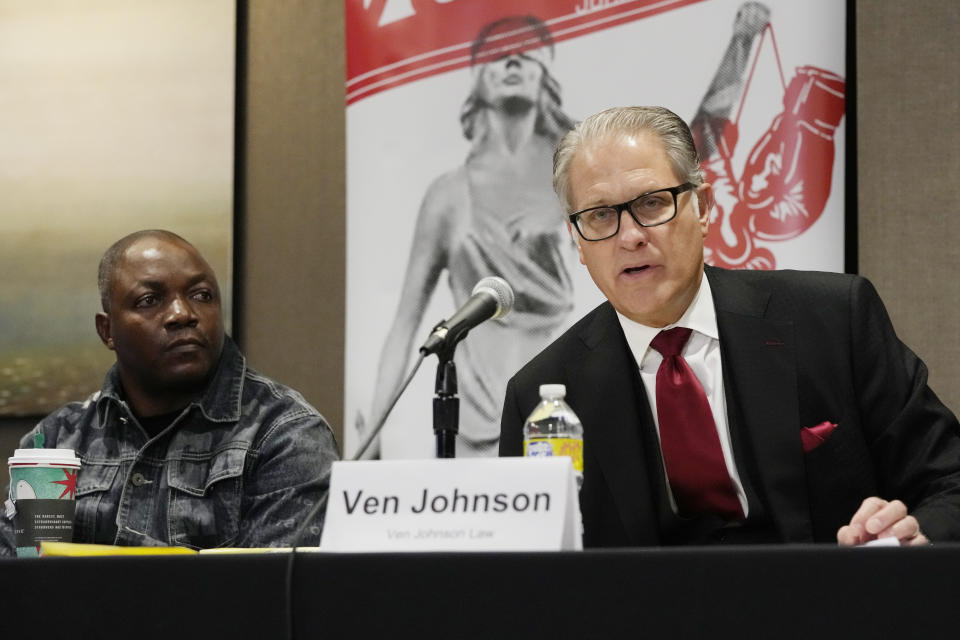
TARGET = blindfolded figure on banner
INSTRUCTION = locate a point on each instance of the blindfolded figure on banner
(495, 214)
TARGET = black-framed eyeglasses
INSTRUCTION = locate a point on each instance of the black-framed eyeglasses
(647, 210)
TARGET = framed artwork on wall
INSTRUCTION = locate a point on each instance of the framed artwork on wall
(117, 116)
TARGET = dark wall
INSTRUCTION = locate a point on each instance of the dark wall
(909, 148)
(294, 228)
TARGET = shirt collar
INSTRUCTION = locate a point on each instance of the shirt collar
(221, 399)
(701, 316)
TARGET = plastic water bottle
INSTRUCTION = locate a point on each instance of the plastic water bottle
(553, 429)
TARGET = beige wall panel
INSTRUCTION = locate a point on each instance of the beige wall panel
(908, 92)
(293, 253)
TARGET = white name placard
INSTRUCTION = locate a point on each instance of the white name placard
(487, 504)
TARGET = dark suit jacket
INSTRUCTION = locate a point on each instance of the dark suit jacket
(798, 349)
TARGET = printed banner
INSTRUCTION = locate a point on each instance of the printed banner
(454, 108)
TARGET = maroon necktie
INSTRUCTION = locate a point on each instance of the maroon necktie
(688, 435)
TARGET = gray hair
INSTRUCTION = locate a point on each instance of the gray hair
(661, 122)
(112, 256)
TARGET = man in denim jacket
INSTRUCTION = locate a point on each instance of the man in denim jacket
(184, 445)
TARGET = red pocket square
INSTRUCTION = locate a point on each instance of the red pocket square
(813, 437)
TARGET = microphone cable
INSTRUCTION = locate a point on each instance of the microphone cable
(379, 426)
(322, 502)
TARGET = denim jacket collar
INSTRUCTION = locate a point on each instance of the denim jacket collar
(220, 401)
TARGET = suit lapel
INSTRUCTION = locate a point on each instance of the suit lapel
(612, 413)
(760, 378)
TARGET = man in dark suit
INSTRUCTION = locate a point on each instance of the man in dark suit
(820, 423)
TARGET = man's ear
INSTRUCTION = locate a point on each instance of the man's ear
(102, 321)
(576, 240)
(705, 202)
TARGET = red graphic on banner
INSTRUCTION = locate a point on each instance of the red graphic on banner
(393, 42)
(786, 181)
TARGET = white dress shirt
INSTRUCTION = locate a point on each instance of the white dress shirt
(702, 353)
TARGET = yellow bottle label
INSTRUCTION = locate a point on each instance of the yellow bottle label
(545, 447)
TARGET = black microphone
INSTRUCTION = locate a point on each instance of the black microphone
(492, 298)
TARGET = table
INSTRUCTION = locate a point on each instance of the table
(776, 591)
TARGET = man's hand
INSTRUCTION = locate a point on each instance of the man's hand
(878, 518)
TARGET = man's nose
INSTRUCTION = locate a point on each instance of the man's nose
(632, 234)
(180, 312)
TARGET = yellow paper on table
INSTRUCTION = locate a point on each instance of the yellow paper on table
(78, 549)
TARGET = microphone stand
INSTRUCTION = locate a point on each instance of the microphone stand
(446, 404)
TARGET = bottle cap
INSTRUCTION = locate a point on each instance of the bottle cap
(552, 391)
